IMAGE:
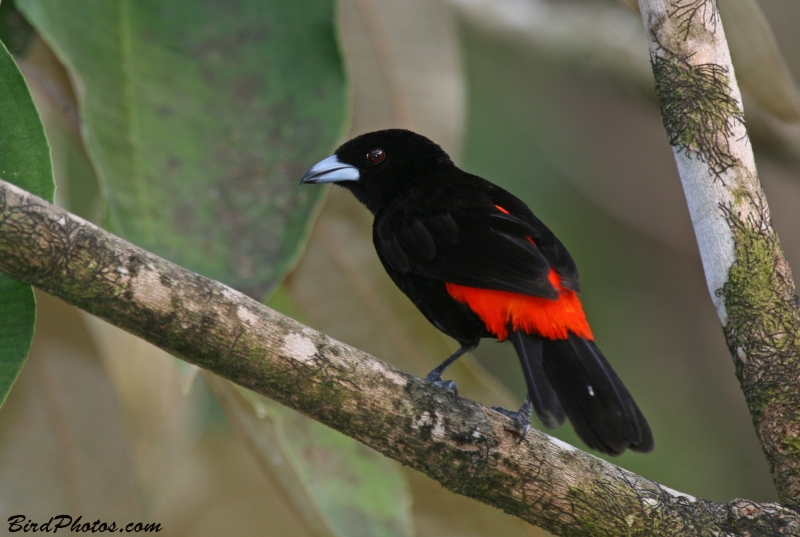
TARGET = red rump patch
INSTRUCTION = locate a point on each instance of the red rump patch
(553, 319)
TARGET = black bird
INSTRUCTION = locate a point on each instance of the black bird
(477, 263)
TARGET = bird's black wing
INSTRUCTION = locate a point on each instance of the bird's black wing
(548, 244)
(478, 245)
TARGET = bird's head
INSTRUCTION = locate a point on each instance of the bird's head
(380, 165)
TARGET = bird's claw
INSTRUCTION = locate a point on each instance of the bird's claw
(448, 385)
(521, 418)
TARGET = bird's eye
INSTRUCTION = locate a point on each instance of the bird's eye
(376, 155)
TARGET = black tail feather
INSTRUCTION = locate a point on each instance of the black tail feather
(599, 406)
(541, 393)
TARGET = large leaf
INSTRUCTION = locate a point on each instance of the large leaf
(24, 161)
(200, 116)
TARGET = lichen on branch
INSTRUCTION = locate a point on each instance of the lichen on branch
(763, 335)
(697, 107)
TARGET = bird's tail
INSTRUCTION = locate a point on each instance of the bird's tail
(541, 392)
(578, 376)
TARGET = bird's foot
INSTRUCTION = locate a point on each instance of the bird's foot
(436, 379)
(522, 417)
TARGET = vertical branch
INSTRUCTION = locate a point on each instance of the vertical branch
(748, 277)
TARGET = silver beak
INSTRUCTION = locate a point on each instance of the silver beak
(330, 170)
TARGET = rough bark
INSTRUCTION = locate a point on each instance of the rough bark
(469, 448)
(748, 277)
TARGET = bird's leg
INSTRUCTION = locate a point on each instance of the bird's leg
(435, 376)
(522, 417)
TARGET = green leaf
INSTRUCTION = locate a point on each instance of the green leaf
(25, 162)
(17, 319)
(200, 117)
(24, 153)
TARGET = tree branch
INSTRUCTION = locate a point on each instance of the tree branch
(468, 448)
(748, 277)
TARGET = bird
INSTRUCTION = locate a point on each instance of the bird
(477, 263)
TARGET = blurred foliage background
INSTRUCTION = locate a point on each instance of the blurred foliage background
(185, 127)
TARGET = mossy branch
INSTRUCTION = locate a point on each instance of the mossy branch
(469, 448)
(748, 277)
